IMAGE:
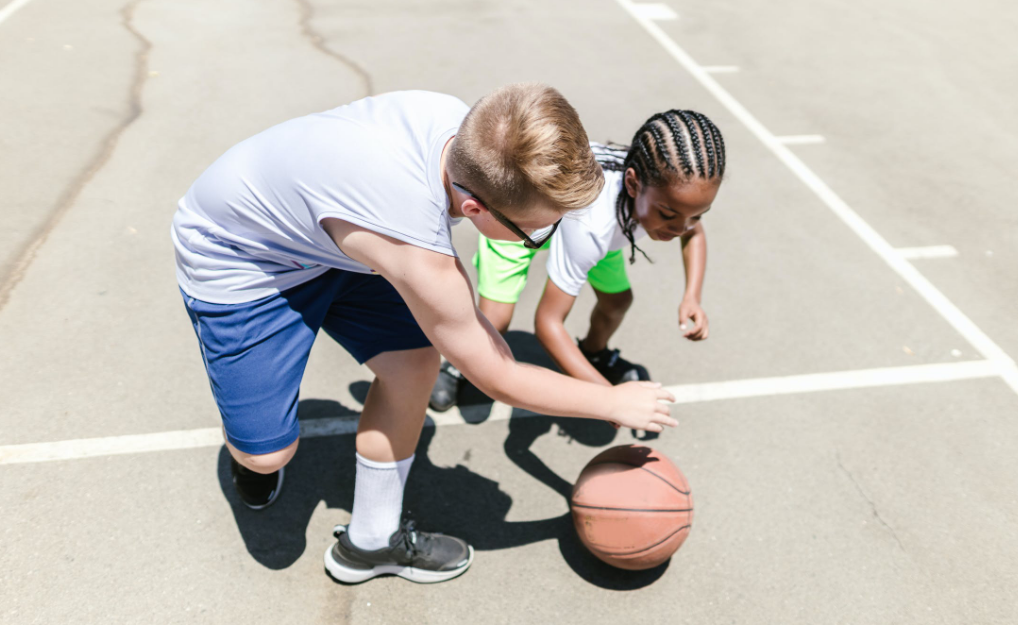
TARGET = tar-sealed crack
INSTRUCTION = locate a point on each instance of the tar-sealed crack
(873, 506)
(27, 255)
(307, 14)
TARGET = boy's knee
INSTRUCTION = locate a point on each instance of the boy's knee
(265, 463)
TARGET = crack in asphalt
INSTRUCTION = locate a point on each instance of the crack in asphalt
(23, 260)
(873, 506)
(307, 14)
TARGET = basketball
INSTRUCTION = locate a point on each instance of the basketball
(632, 507)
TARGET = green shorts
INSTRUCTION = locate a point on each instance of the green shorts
(502, 268)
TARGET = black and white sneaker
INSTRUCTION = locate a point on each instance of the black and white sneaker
(256, 490)
(613, 367)
(447, 387)
(421, 557)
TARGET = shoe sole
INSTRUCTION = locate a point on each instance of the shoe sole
(348, 575)
(275, 493)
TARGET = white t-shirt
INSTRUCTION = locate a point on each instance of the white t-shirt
(249, 226)
(586, 236)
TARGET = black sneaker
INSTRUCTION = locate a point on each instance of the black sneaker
(613, 367)
(447, 387)
(420, 557)
(256, 490)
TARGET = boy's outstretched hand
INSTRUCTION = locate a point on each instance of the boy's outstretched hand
(637, 405)
(691, 311)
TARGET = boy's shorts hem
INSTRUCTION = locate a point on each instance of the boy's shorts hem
(258, 448)
(362, 356)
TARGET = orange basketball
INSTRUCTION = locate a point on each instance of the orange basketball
(632, 507)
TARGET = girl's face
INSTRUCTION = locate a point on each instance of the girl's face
(673, 210)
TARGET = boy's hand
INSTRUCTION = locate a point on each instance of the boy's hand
(637, 405)
(690, 311)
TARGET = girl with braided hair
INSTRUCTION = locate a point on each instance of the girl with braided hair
(659, 186)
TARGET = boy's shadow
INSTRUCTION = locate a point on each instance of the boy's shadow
(455, 500)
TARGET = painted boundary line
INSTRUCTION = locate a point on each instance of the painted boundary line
(1007, 369)
(931, 251)
(11, 9)
(684, 394)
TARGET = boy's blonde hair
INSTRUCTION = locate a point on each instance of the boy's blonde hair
(524, 142)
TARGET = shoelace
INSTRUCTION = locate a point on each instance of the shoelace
(613, 358)
(410, 537)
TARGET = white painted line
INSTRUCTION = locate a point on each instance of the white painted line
(954, 316)
(720, 69)
(684, 394)
(840, 380)
(932, 251)
(11, 8)
(110, 446)
(801, 139)
(658, 11)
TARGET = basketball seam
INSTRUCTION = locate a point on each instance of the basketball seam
(580, 505)
(647, 548)
(684, 492)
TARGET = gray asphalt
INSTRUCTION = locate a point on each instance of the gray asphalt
(876, 505)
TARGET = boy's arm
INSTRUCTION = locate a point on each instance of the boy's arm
(549, 324)
(436, 288)
(694, 259)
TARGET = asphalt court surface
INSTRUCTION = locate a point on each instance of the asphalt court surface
(867, 505)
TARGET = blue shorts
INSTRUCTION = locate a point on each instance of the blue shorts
(255, 352)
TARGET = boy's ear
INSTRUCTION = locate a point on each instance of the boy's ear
(632, 183)
(471, 208)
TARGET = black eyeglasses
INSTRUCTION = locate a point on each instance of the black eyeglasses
(502, 219)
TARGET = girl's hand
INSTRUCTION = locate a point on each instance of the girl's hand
(690, 310)
(637, 405)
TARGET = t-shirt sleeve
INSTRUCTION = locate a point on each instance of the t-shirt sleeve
(574, 252)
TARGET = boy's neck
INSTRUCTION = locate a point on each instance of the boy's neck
(454, 211)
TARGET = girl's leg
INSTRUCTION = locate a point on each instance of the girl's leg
(606, 318)
(498, 313)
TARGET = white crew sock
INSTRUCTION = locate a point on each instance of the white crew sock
(377, 501)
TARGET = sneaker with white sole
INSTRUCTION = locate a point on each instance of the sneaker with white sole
(421, 557)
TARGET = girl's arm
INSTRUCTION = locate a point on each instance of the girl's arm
(694, 258)
(549, 324)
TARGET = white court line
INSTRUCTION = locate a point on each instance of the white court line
(931, 251)
(720, 69)
(11, 8)
(656, 11)
(800, 139)
(951, 313)
(684, 394)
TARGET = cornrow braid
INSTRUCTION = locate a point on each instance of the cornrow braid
(708, 144)
(690, 123)
(680, 144)
(656, 161)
